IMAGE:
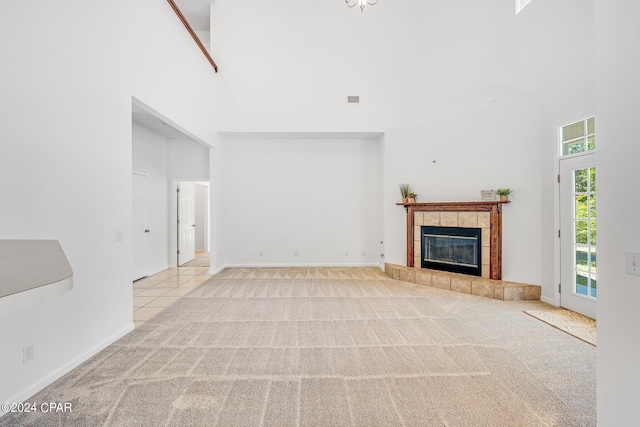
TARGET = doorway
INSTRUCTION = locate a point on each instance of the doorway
(192, 223)
(578, 252)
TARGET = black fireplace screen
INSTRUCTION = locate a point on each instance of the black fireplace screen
(453, 249)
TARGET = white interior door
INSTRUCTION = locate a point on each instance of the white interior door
(578, 234)
(186, 222)
(140, 226)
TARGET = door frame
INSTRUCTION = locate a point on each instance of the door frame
(557, 251)
(591, 159)
(173, 218)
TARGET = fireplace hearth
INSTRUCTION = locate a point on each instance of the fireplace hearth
(454, 249)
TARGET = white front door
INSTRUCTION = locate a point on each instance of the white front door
(578, 234)
(186, 222)
(140, 226)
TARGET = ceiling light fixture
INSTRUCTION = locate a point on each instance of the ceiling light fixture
(361, 3)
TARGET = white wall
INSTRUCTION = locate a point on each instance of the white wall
(317, 197)
(617, 111)
(217, 211)
(69, 71)
(187, 159)
(150, 156)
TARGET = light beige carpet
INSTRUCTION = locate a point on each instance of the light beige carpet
(330, 347)
(575, 324)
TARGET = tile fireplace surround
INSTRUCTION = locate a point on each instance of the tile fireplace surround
(486, 215)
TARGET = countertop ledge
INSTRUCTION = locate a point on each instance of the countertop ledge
(32, 271)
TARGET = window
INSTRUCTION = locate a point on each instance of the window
(584, 193)
(579, 137)
(520, 4)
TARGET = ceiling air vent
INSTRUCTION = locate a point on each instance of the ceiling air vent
(353, 99)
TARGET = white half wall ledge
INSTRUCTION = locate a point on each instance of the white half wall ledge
(31, 272)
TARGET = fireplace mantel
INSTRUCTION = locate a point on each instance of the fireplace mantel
(452, 212)
(453, 206)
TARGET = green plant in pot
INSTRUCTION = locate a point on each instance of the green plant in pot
(412, 197)
(405, 189)
(504, 194)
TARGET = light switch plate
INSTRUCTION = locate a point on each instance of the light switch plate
(633, 263)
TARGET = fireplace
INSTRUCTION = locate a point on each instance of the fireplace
(486, 215)
(455, 249)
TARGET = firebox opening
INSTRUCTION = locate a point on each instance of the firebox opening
(454, 249)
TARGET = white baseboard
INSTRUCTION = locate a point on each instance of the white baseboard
(69, 366)
(302, 265)
(220, 269)
(217, 270)
(548, 301)
(160, 270)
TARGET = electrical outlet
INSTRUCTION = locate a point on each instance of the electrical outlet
(260, 253)
(364, 253)
(633, 263)
(119, 235)
(346, 253)
(27, 353)
(296, 253)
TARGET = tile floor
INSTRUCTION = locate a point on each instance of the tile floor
(153, 294)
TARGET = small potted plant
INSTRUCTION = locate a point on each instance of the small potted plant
(412, 197)
(405, 189)
(504, 194)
